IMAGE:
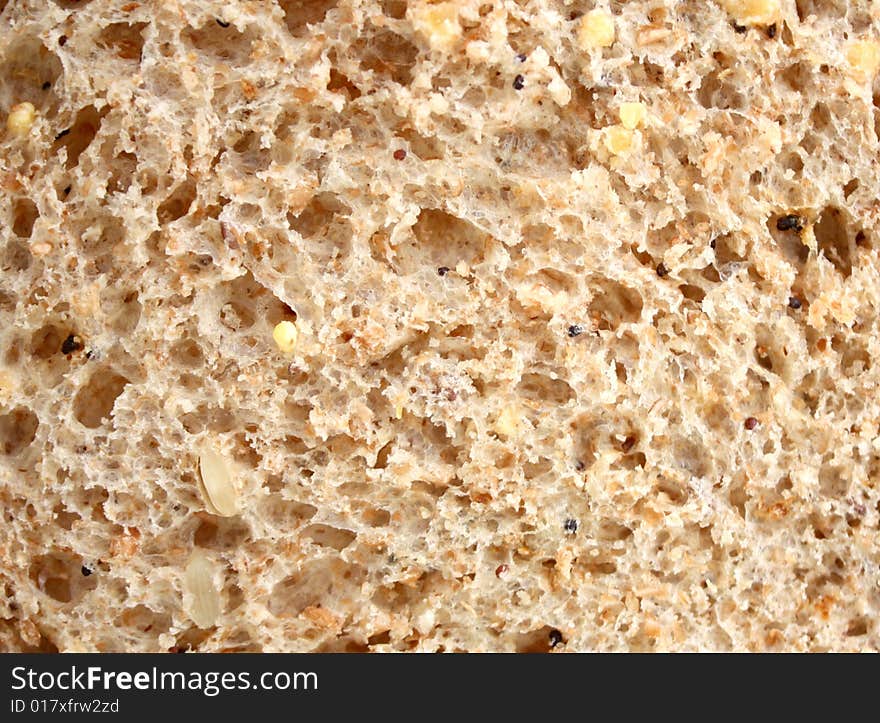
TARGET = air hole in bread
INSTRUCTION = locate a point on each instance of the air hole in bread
(440, 240)
(388, 55)
(834, 239)
(324, 227)
(614, 304)
(18, 429)
(208, 418)
(328, 536)
(821, 9)
(178, 203)
(46, 341)
(319, 582)
(93, 403)
(59, 575)
(299, 14)
(542, 387)
(375, 517)
(25, 214)
(428, 149)
(79, 136)
(834, 481)
(339, 83)
(28, 66)
(126, 40)
(143, 618)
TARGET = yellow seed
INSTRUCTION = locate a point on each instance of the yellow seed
(219, 490)
(596, 30)
(618, 140)
(754, 12)
(285, 335)
(863, 57)
(438, 23)
(20, 119)
(632, 115)
(204, 600)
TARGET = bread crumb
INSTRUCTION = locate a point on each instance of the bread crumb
(285, 335)
(596, 30)
(20, 119)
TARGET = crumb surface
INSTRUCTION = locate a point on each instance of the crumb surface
(506, 325)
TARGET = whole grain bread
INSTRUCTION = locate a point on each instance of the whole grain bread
(582, 349)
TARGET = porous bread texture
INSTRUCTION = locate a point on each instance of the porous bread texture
(526, 354)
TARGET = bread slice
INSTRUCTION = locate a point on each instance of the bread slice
(578, 308)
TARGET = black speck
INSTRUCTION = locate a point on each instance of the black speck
(67, 190)
(62, 134)
(713, 243)
(771, 31)
(89, 354)
(751, 423)
(795, 303)
(222, 23)
(571, 525)
(85, 571)
(789, 222)
(575, 330)
(579, 466)
(71, 344)
(62, 40)
(46, 85)
(662, 270)
(443, 270)
(519, 82)
(555, 638)
(739, 28)
(521, 57)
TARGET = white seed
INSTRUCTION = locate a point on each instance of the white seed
(218, 488)
(203, 605)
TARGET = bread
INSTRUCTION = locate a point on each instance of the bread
(583, 325)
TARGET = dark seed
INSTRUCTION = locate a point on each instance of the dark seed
(85, 571)
(789, 222)
(627, 444)
(500, 570)
(62, 40)
(571, 525)
(67, 190)
(713, 243)
(443, 270)
(579, 466)
(399, 154)
(71, 344)
(739, 28)
(575, 330)
(521, 57)
(555, 638)
(751, 423)
(62, 134)
(794, 302)
(46, 85)
(771, 31)
(222, 23)
(519, 82)
(662, 270)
